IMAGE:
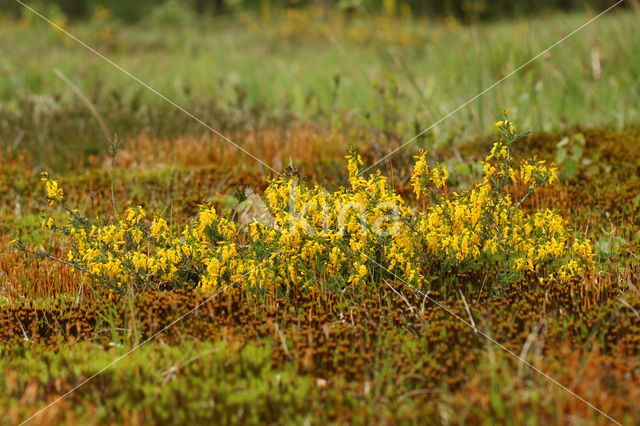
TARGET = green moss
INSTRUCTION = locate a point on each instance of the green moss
(192, 382)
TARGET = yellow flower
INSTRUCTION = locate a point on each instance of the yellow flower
(439, 176)
(361, 273)
(420, 178)
(133, 215)
(52, 189)
(506, 124)
(312, 233)
(159, 228)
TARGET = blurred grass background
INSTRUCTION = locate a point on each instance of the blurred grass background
(463, 9)
(391, 67)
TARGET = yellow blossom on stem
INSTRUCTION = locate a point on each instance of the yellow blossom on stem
(52, 189)
(309, 234)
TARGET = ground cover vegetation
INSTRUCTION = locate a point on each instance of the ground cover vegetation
(319, 286)
(304, 235)
(392, 76)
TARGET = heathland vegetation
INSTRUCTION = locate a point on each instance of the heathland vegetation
(317, 280)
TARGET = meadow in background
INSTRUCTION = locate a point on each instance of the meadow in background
(391, 74)
(300, 86)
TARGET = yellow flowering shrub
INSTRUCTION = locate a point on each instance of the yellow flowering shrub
(312, 237)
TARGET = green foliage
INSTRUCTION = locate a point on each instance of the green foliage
(207, 382)
(570, 156)
(270, 73)
(464, 9)
(610, 245)
(169, 13)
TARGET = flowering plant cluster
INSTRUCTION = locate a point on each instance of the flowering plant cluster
(484, 228)
(310, 237)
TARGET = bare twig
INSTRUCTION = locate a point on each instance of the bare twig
(113, 144)
(24, 332)
(466, 306)
(628, 305)
(283, 341)
(402, 296)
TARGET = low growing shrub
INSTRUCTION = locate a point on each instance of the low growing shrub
(362, 233)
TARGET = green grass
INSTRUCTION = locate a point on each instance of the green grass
(239, 73)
